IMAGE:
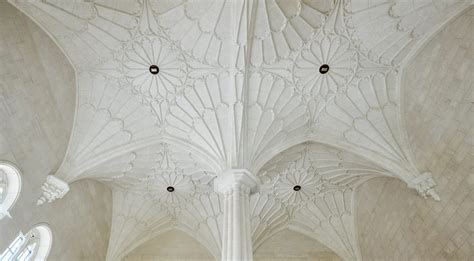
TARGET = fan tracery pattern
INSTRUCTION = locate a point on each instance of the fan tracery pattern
(238, 83)
(282, 27)
(322, 207)
(326, 49)
(386, 30)
(143, 53)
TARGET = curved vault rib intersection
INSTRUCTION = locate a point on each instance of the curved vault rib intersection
(238, 98)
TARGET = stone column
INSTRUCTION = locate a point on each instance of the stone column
(236, 186)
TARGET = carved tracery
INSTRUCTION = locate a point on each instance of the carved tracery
(237, 84)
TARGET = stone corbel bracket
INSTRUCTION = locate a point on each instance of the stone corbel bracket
(54, 188)
(425, 184)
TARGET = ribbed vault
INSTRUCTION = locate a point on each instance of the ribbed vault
(438, 105)
(239, 86)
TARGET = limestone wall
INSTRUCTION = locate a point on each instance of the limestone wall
(37, 99)
(393, 222)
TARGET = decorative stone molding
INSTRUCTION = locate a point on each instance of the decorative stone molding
(10, 187)
(337, 53)
(236, 186)
(3, 191)
(315, 184)
(424, 184)
(53, 189)
(297, 185)
(236, 81)
(233, 178)
(280, 33)
(134, 219)
(400, 19)
(170, 74)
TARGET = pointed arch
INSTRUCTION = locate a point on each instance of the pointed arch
(34, 245)
(10, 187)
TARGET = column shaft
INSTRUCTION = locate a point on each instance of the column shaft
(236, 187)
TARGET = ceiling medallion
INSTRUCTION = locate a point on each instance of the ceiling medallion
(322, 69)
(140, 65)
(296, 185)
(170, 187)
(154, 69)
(311, 72)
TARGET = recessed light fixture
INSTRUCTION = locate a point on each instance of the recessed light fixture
(297, 188)
(154, 69)
(324, 69)
(170, 189)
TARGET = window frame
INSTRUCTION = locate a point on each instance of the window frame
(13, 187)
(36, 244)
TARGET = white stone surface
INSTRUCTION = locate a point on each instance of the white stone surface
(37, 94)
(273, 104)
(290, 245)
(53, 188)
(239, 88)
(236, 186)
(10, 187)
(285, 245)
(438, 96)
(171, 245)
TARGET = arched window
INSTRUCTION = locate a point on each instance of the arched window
(34, 245)
(10, 186)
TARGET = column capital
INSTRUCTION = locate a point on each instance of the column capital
(233, 178)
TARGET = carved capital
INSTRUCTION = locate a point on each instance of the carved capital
(236, 178)
(53, 189)
(424, 184)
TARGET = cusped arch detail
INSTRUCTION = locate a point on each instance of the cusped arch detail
(161, 232)
(10, 187)
(316, 183)
(259, 165)
(45, 241)
(123, 153)
(288, 230)
(34, 245)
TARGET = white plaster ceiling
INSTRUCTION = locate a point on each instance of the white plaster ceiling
(238, 87)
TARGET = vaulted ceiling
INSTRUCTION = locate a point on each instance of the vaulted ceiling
(239, 84)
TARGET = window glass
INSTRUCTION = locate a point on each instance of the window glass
(13, 248)
(34, 245)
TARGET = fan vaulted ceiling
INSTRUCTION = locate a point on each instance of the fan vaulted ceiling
(238, 86)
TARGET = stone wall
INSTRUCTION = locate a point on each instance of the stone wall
(285, 245)
(171, 245)
(37, 100)
(288, 245)
(394, 223)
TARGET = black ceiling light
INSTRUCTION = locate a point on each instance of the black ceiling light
(154, 69)
(170, 189)
(324, 69)
(297, 188)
